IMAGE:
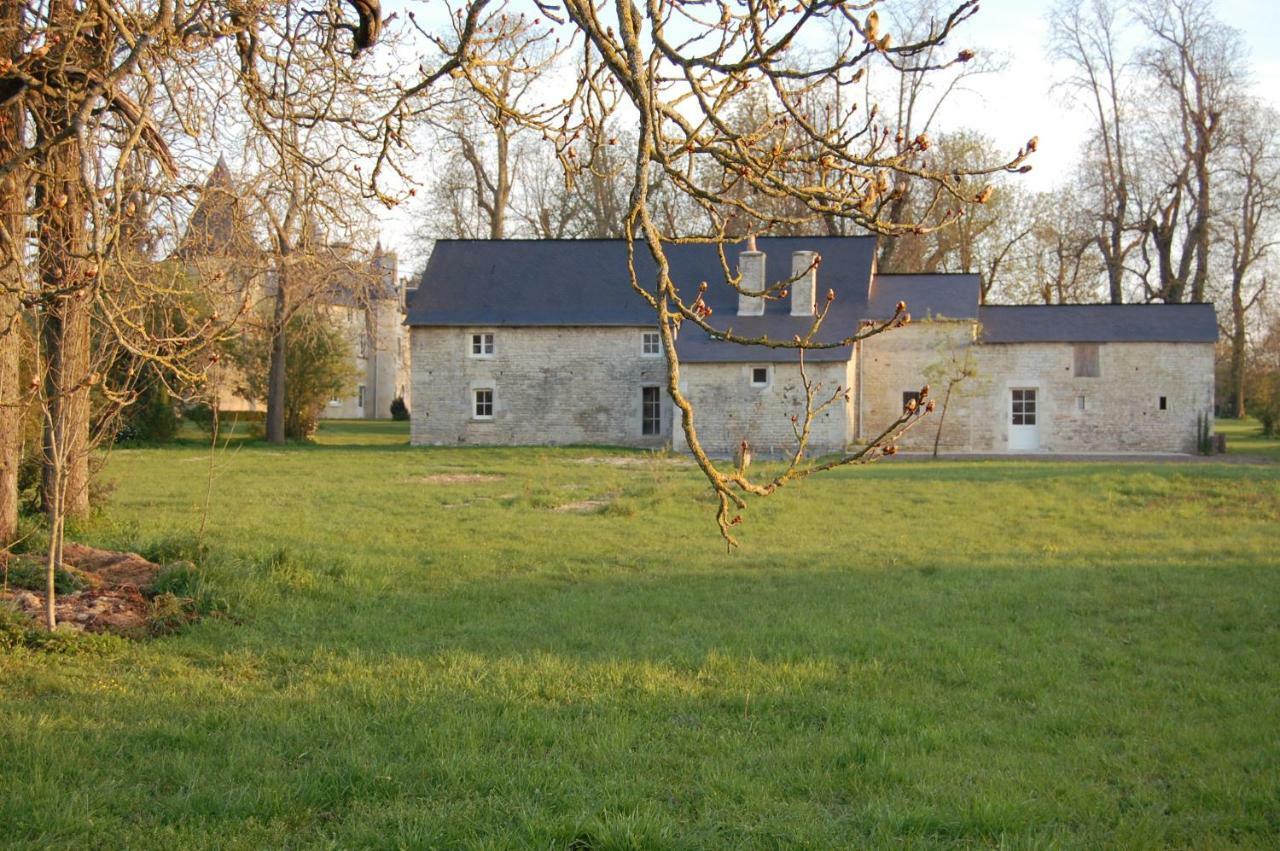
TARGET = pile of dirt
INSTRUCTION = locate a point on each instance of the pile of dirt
(112, 595)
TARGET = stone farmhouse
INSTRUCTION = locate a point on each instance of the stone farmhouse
(544, 342)
(363, 294)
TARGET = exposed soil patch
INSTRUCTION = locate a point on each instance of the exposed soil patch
(582, 506)
(455, 478)
(633, 460)
(113, 597)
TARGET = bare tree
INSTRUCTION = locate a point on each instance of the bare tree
(1086, 34)
(511, 57)
(920, 86)
(1194, 63)
(1251, 207)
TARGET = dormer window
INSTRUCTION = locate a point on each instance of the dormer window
(482, 345)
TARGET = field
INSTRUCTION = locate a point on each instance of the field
(529, 648)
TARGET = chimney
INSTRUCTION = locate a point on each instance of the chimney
(804, 285)
(751, 268)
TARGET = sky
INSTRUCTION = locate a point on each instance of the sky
(1010, 105)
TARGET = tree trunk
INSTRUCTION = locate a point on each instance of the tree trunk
(65, 331)
(276, 373)
(1239, 342)
(13, 202)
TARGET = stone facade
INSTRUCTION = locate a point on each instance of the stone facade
(1119, 410)
(902, 361)
(555, 385)
(583, 385)
(728, 406)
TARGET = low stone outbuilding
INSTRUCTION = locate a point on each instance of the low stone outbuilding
(545, 342)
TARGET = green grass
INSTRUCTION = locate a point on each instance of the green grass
(423, 652)
(1244, 437)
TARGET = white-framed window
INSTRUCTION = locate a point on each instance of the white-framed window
(650, 410)
(360, 396)
(760, 376)
(482, 403)
(1024, 406)
(482, 344)
(650, 344)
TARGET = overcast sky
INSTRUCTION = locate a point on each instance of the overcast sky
(1013, 104)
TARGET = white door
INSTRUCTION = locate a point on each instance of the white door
(1024, 416)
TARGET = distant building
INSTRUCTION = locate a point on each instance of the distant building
(364, 295)
(544, 342)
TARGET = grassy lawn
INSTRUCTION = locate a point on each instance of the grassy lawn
(1244, 437)
(425, 652)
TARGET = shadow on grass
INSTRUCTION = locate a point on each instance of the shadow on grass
(733, 708)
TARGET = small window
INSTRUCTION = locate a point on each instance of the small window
(759, 376)
(650, 410)
(651, 343)
(481, 345)
(1079, 403)
(1086, 357)
(484, 404)
(1164, 403)
(360, 396)
(1024, 407)
(334, 402)
(909, 396)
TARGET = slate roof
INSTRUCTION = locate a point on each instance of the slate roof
(1099, 323)
(935, 296)
(585, 282)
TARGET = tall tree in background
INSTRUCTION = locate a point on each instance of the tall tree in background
(919, 86)
(482, 134)
(1085, 34)
(1251, 222)
(310, 117)
(1194, 64)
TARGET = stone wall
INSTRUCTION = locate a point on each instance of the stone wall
(551, 386)
(728, 408)
(904, 360)
(1118, 411)
(583, 385)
